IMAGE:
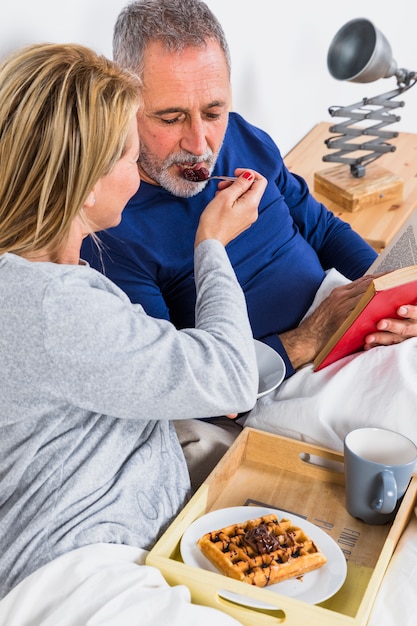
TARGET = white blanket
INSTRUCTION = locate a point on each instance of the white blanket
(103, 585)
(373, 388)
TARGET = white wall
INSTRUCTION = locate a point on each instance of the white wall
(279, 52)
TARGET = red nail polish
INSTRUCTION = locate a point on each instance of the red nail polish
(248, 176)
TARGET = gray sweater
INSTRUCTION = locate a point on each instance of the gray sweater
(88, 386)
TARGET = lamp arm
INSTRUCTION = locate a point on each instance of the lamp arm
(376, 109)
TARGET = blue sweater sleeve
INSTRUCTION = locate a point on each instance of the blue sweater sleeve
(335, 242)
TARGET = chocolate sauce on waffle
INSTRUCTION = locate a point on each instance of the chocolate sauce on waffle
(261, 540)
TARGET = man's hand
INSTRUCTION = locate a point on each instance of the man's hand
(392, 330)
(304, 342)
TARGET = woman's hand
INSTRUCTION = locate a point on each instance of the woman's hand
(233, 209)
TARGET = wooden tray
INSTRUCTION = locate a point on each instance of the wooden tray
(268, 470)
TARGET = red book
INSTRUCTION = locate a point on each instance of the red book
(383, 297)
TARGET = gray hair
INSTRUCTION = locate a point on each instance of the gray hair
(176, 24)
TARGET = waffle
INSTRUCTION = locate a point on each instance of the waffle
(262, 551)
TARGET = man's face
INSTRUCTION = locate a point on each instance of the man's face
(184, 114)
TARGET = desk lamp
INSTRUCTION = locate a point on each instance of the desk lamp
(360, 53)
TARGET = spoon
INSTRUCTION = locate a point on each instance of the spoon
(220, 178)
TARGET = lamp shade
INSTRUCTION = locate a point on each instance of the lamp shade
(360, 53)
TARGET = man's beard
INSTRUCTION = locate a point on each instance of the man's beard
(169, 178)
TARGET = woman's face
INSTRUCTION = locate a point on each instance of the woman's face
(113, 191)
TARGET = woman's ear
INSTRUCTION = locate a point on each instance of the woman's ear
(90, 200)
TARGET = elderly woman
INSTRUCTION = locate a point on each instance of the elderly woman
(89, 382)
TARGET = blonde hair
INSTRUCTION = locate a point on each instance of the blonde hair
(64, 120)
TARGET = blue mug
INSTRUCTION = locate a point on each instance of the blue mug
(379, 464)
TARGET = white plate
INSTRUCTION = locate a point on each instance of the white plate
(314, 587)
(271, 368)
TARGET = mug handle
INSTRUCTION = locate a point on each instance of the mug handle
(385, 499)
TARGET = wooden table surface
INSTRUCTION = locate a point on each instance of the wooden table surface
(377, 224)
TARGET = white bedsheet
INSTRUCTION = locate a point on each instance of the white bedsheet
(105, 585)
(396, 604)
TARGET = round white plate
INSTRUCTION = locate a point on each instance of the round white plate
(271, 368)
(314, 587)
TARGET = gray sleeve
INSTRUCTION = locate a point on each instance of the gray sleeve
(107, 356)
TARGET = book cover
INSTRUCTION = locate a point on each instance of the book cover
(382, 298)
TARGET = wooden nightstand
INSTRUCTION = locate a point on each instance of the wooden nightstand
(377, 224)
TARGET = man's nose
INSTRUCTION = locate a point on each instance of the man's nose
(194, 137)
